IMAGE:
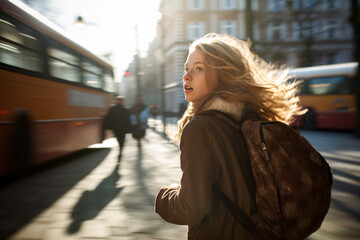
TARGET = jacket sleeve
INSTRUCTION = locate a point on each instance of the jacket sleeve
(191, 202)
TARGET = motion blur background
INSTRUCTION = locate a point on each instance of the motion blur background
(107, 28)
(137, 36)
(54, 95)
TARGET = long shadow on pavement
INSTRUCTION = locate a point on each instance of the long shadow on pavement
(91, 203)
(25, 199)
(349, 188)
(141, 178)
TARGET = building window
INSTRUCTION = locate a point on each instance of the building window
(307, 30)
(196, 4)
(227, 4)
(348, 31)
(228, 27)
(332, 30)
(196, 30)
(276, 5)
(254, 5)
(303, 4)
(331, 4)
(310, 4)
(256, 31)
(304, 30)
(276, 32)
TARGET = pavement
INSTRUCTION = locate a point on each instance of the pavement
(93, 195)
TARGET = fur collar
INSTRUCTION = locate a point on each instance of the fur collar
(236, 110)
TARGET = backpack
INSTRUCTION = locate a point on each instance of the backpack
(292, 181)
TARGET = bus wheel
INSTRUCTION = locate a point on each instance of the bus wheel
(309, 120)
(22, 143)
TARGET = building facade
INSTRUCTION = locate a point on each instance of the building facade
(302, 33)
(292, 32)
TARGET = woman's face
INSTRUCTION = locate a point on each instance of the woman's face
(198, 80)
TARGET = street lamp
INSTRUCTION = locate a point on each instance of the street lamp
(80, 23)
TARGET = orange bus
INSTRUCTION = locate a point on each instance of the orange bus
(327, 91)
(53, 92)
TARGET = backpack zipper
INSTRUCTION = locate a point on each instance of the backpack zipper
(264, 148)
(267, 157)
(263, 145)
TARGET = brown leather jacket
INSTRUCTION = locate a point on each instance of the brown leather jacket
(211, 151)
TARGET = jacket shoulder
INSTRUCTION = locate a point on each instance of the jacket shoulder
(203, 121)
(206, 121)
(205, 126)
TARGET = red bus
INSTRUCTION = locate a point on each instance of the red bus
(53, 92)
(327, 91)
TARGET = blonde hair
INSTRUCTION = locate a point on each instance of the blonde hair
(244, 77)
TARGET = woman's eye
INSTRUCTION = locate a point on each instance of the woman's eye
(186, 69)
(198, 69)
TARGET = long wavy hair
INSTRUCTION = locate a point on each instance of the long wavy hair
(244, 77)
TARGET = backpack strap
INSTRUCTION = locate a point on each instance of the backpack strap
(239, 214)
(246, 170)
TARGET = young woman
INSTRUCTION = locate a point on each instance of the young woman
(222, 74)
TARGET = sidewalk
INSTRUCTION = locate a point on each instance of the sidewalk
(113, 201)
(158, 126)
(93, 196)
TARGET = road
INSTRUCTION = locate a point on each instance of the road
(90, 195)
(342, 151)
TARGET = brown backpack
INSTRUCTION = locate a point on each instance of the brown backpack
(293, 181)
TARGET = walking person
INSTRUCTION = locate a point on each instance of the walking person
(221, 74)
(138, 130)
(118, 120)
(144, 117)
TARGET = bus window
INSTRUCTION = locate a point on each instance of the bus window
(63, 64)
(330, 85)
(109, 82)
(92, 74)
(328, 93)
(44, 102)
(20, 47)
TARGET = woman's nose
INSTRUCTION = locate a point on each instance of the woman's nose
(186, 76)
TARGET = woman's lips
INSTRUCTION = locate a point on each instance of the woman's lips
(187, 89)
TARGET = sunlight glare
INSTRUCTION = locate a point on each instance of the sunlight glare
(110, 26)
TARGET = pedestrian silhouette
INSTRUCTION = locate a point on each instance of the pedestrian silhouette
(139, 116)
(117, 119)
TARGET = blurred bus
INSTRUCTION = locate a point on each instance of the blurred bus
(328, 92)
(53, 92)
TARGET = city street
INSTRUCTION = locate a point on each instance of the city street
(90, 195)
